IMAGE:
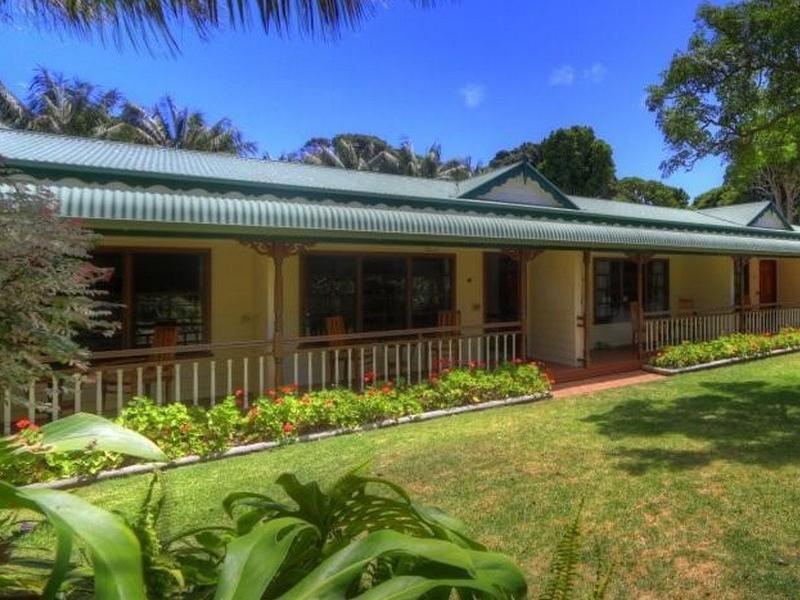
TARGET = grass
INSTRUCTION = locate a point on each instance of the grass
(690, 485)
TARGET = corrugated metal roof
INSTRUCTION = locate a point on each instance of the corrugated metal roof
(94, 154)
(122, 162)
(130, 209)
(741, 214)
(617, 209)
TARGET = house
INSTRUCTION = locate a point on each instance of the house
(237, 272)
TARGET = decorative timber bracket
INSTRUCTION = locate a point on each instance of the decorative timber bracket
(278, 251)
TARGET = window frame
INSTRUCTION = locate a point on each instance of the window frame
(359, 256)
(128, 292)
(597, 259)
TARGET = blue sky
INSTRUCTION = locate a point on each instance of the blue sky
(473, 75)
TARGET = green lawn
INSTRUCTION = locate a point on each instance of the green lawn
(690, 484)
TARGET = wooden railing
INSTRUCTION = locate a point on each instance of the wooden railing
(659, 332)
(202, 374)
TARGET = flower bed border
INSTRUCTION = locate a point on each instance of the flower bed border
(715, 364)
(72, 482)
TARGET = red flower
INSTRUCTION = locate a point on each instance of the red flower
(271, 393)
(22, 424)
(288, 389)
(186, 428)
(239, 393)
(386, 389)
(253, 413)
(33, 427)
(369, 377)
(288, 428)
(305, 400)
(434, 380)
(278, 401)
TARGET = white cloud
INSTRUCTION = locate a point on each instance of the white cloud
(472, 94)
(563, 75)
(596, 73)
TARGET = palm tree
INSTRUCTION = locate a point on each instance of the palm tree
(172, 127)
(142, 22)
(369, 153)
(56, 104)
(351, 151)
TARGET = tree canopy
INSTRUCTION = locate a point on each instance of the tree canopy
(650, 191)
(733, 93)
(578, 162)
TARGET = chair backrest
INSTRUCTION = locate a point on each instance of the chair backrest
(685, 305)
(448, 318)
(335, 326)
(164, 336)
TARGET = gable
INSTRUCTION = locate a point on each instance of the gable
(770, 218)
(520, 189)
(519, 183)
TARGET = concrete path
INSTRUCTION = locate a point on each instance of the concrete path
(606, 382)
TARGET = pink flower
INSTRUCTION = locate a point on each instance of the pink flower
(22, 424)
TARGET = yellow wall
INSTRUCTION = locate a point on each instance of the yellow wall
(238, 284)
(706, 280)
(554, 302)
(468, 280)
(789, 280)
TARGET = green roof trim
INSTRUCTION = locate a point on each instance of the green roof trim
(126, 210)
(475, 186)
(748, 213)
(137, 188)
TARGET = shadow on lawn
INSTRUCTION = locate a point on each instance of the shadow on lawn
(751, 422)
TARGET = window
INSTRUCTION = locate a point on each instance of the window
(151, 288)
(615, 288)
(501, 284)
(375, 292)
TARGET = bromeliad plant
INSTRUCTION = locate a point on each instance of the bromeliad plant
(739, 345)
(113, 550)
(362, 538)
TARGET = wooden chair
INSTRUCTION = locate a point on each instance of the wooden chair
(686, 307)
(448, 318)
(335, 326)
(164, 336)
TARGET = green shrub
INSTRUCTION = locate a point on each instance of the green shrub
(283, 414)
(738, 345)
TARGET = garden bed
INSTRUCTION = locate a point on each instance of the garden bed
(239, 425)
(71, 482)
(697, 356)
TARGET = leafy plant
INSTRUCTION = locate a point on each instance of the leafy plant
(362, 538)
(739, 345)
(113, 548)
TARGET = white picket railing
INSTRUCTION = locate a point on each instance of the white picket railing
(667, 331)
(202, 374)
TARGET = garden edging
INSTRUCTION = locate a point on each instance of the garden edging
(716, 363)
(137, 469)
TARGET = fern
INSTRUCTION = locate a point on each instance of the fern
(564, 569)
(565, 563)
